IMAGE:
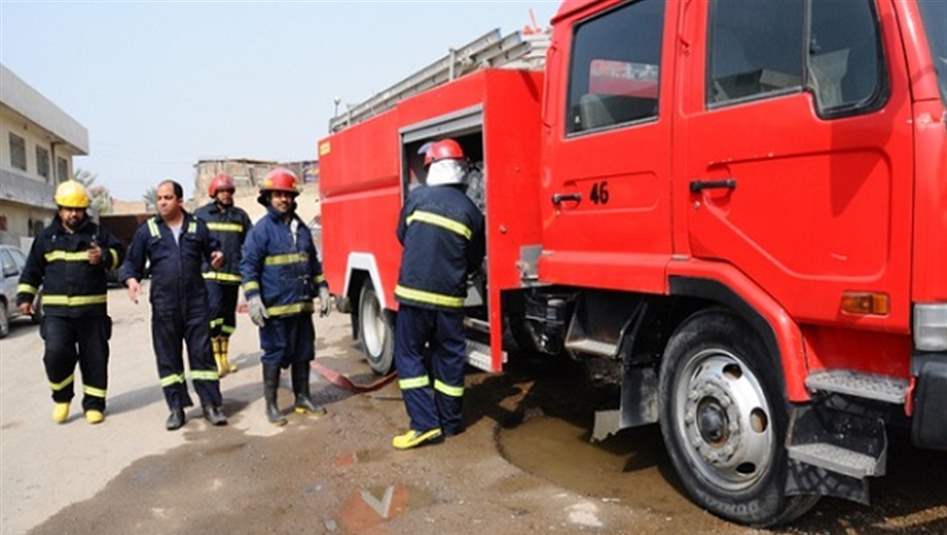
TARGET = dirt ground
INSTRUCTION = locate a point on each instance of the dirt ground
(525, 464)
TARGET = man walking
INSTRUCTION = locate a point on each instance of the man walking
(281, 276)
(70, 259)
(442, 232)
(176, 244)
(229, 225)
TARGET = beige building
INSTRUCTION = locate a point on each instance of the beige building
(247, 174)
(37, 143)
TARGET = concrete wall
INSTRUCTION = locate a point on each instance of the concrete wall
(33, 135)
(17, 218)
(247, 174)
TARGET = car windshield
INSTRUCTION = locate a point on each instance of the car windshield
(934, 13)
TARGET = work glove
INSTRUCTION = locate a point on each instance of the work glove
(324, 300)
(258, 313)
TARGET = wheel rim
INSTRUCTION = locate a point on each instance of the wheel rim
(723, 420)
(373, 325)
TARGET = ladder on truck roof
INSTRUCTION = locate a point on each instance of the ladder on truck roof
(517, 50)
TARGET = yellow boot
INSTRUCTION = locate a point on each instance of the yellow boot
(413, 439)
(221, 368)
(224, 359)
(94, 417)
(60, 412)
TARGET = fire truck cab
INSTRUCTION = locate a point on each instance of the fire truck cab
(734, 211)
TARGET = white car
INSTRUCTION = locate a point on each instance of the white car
(12, 261)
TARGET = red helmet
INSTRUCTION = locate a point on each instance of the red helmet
(280, 179)
(441, 150)
(219, 182)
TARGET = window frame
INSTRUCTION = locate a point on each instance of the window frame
(13, 163)
(569, 79)
(46, 158)
(879, 97)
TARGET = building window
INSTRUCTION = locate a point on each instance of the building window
(62, 169)
(616, 60)
(17, 152)
(42, 162)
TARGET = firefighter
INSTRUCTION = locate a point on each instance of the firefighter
(176, 243)
(443, 237)
(281, 277)
(229, 224)
(70, 260)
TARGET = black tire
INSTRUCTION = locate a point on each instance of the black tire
(375, 331)
(719, 336)
(4, 319)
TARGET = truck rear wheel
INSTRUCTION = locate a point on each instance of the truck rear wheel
(724, 421)
(375, 332)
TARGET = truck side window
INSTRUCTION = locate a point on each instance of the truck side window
(754, 49)
(846, 71)
(613, 78)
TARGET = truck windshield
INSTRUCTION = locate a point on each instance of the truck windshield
(934, 13)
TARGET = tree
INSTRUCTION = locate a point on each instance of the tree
(100, 198)
(151, 198)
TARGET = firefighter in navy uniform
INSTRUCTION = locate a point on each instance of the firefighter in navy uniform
(176, 243)
(281, 277)
(70, 259)
(442, 232)
(229, 224)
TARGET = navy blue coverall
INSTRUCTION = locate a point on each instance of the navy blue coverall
(179, 309)
(442, 232)
(281, 264)
(230, 226)
(76, 325)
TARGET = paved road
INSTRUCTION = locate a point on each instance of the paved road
(524, 466)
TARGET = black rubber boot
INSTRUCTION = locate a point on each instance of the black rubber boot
(175, 419)
(304, 403)
(214, 415)
(270, 387)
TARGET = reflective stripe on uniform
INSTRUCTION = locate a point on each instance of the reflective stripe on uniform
(25, 289)
(429, 297)
(62, 384)
(294, 308)
(204, 375)
(252, 285)
(174, 378)
(282, 259)
(414, 382)
(225, 227)
(114, 254)
(440, 221)
(216, 322)
(192, 227)
(227, 329)
(75, 300)
(221, 276)
(153, 228)
(93, 391)
(66, 256)
(319, 279)
(444, 388)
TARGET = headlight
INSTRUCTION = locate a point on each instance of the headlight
(930, 327)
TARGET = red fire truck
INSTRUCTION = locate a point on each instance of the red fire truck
(734, 210)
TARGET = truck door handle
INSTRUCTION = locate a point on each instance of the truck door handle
(699, 185)
(559, 198)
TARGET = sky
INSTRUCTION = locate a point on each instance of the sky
(160, 85)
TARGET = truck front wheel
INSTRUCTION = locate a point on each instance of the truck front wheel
(375, 332)
(724, 420)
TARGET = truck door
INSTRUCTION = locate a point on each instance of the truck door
(799, 166)
(607, 183)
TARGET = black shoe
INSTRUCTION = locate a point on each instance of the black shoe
(453, 432)
(270, 387)
(214, 415)
(304, 403)
(175, 419)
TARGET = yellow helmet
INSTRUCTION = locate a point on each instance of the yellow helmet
(72, 194)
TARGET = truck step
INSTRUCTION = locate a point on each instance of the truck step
(862, 385)
(592, 347)
(836, 458)
(478, 356)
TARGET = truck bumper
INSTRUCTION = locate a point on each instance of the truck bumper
(929, 426)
